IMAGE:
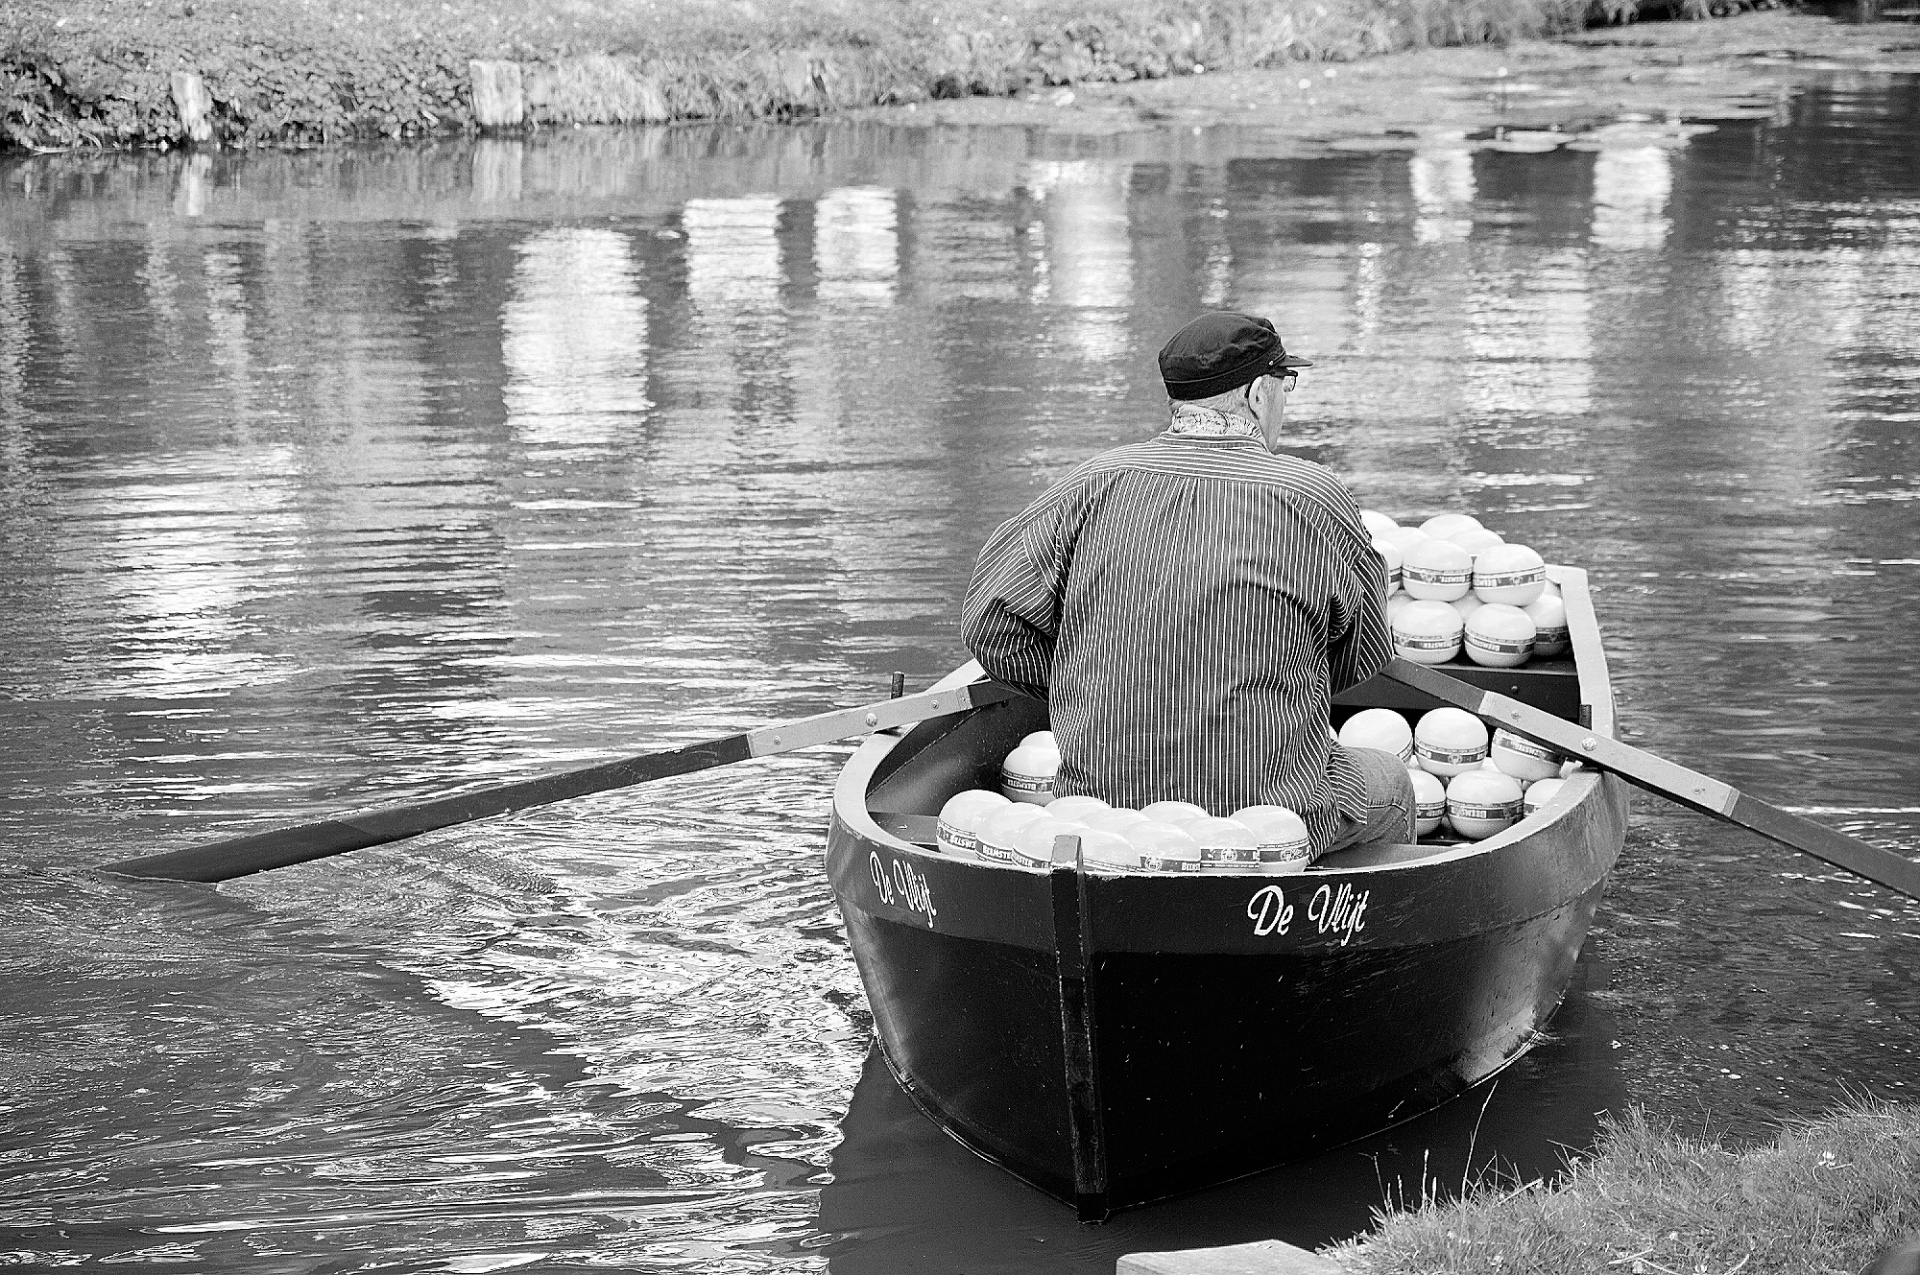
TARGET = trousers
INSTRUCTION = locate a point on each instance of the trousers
(1389, 803)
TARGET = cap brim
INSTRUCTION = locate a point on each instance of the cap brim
(1291, 361)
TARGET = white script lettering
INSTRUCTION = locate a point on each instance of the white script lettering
(1269, 911)
(902, 887)
(1341, 911)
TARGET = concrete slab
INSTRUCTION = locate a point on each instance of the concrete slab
(1263, 1257)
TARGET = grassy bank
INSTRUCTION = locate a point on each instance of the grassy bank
(1826, 1196)
(101, 72)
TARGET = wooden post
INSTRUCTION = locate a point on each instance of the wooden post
(497, 98)
(195, 105)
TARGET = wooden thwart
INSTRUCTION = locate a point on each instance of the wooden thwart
(1665, 779)
(1068, 892)
(259, 852)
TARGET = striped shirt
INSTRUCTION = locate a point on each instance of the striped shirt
(1188, 606)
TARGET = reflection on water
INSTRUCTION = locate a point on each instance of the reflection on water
(574, 339)
(1441, 173)
(904, 1194)
(334, 477)
(856, 246)
(1089, 259)
(1631, 185)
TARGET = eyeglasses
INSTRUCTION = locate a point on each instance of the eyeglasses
(1287, 377)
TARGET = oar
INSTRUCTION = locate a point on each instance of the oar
(1665, 779)
(241, 856)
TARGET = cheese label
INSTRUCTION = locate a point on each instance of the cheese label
(1524, 746)
(1507, 810)
(1481, 642)
(1453, 756)
(1229, 855)
(1285, 852)
(959, 840)
(1508, 579)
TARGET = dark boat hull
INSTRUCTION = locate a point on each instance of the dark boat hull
(1116, 1039)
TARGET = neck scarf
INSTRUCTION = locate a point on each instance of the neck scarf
(1208, 422)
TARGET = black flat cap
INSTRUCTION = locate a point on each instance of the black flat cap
(1221, 351)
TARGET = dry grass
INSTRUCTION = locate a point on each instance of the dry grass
(1826, 1196)
(1233, 32)
(479, 28)
(97, 71)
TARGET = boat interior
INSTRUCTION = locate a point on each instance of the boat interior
(939, 758)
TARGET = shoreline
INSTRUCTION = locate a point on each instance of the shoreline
(72, 87)
(1662, 73)
(1830, 1193)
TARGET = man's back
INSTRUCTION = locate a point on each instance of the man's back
(1188, 605)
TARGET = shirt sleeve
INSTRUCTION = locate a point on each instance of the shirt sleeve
(1359, 643)
(1012, 610)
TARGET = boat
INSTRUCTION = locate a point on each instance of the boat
(1117, 1038)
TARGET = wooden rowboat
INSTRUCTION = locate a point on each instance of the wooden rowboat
(1114, 1039)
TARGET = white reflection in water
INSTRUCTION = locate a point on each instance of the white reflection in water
(856, 245)
(1887, 319)
(195, 183)
(440, 273)
(160, 286)
(1370, 279)
(575, 338)
(734, 351)
(288, 284)
(1441, 172)
(1792, 308)
(179, 570)
(13, 352)
(1529, 334)
(1216, 274)
(227, 323)
(733, 255)
(497, 168)
(68, 318)
(1749, 290)
(1844, 289)
(1797, 309)
(1089, 251)
(1630, 189)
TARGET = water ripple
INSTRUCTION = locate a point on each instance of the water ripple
(422, 470)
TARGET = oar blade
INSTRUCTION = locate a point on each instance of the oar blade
(257, 852)
(1663, 778)
(303, 843)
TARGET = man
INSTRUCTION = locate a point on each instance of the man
(1189, 605)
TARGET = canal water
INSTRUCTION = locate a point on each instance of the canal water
(342, 477)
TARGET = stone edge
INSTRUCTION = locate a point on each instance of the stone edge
(1262, 1257)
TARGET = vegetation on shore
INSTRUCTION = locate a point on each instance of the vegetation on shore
(100, 72)
(1824, 1198)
